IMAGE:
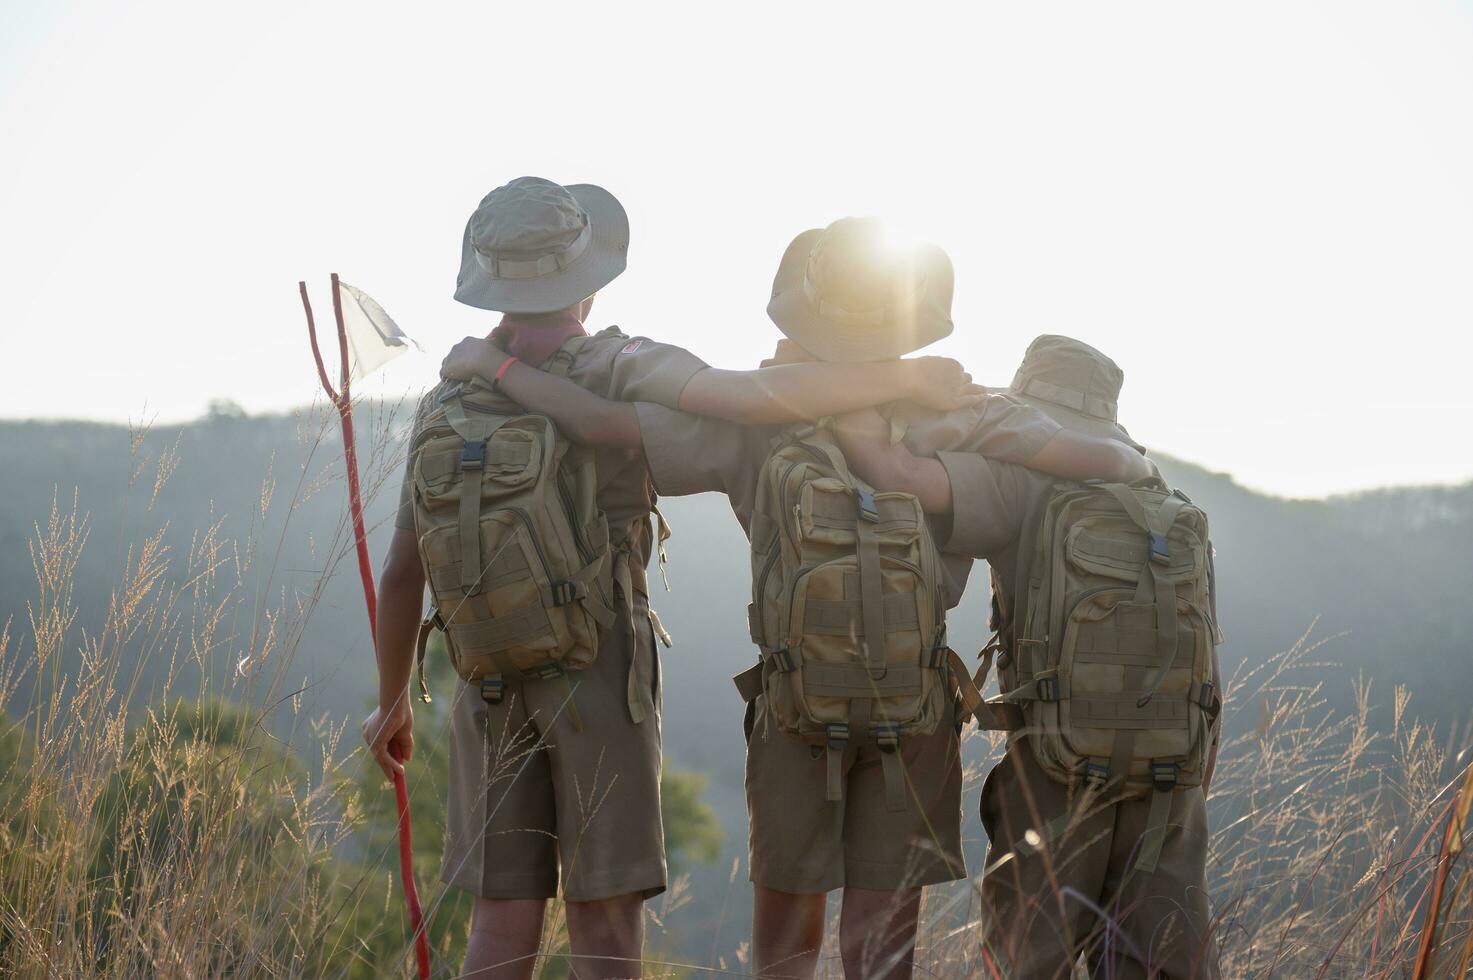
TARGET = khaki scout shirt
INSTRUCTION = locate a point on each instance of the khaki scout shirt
(619, 368)
(694, 454)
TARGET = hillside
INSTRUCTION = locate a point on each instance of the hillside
(1386, 568)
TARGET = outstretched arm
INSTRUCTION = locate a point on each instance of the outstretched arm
(780, 393)
(864, 437)
(793, 392)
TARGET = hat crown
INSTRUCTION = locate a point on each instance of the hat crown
(855, 268)
(527, 217)
(1067, 371)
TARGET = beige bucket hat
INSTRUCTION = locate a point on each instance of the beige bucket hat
(1074, 384)
(843, 293)
(534, 246)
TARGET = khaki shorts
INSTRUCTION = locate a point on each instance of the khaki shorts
(533, 800)
(804, 844)
(1163, 928)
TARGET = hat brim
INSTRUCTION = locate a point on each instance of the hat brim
(827, 340)
(600, 264)
(1079, 422)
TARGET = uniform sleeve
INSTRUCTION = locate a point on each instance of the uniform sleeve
(645, 370)
(696, 454)
(404, 518)
(989, 502)
(1008, 430)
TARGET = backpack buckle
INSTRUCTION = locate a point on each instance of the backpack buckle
(1160, 550)
(473, 454)
(783, 660)
(1096, 773)
(868, 509)
(545, 672)
(493, 689)
(1208, 700)
(1048, 689)
(564, 593)
(887, 737)
(838, 736)
(1163, 776)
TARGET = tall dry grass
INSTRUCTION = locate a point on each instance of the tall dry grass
(1327, 834)
(183, 839)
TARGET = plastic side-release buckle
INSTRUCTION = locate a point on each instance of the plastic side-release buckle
(1096, 773)
(493, 689)
(838, 736)
(1163, 776)
(887, 737)
(1048, 689)
(868, 509)
(1160, 549)
(545, 672)
(1208, 700)
(564, 593)
(782, 660)
(473, 454)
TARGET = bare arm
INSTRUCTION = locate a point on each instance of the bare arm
(778, 393)
(793, 392)
(864, 437)
(1075, 456)
(389, 730)
(585, 418)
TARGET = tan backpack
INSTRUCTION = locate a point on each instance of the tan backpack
(1107, 661)
(515, 548)
(846, 608)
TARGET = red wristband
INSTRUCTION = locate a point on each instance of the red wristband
(496, 381)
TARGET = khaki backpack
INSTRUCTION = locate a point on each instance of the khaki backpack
(846, 608)
(515, 548)
(1107, 640)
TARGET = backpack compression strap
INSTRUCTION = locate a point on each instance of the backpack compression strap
(474, 432)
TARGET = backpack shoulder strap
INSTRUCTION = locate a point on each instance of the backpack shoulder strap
(561, 361)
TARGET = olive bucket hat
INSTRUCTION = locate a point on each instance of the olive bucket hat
(843, 293)
(534, 246)
(1074, 384)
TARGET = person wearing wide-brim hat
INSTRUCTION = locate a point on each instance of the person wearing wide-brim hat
(1160, 922)
(841, 294)
(537, 251)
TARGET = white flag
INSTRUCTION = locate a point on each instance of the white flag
(374, 339)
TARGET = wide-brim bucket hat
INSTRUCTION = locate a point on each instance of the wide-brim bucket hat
(1074, 384)
(843, 294)
(534, 246)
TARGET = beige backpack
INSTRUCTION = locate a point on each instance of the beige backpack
(515, 548)
(846, 608)
(1107, 661)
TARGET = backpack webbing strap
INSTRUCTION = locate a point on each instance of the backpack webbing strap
(420, 642)
(1164, 781)
(891, 766)
(561, 361)
(1154, 585)
(993, 716)
(837, 743)
(624, 579)
(474, 431)
(871, 582)
(577, 589)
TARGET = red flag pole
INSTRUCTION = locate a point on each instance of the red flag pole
(342, 401)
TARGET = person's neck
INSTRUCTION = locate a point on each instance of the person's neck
(535, 339)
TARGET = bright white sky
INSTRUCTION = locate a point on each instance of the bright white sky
(1263, 210)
